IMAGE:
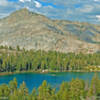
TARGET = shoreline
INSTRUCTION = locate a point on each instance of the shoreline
(40, 72)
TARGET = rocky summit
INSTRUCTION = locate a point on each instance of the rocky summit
(34, 31)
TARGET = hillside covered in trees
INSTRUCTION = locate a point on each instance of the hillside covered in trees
(16, 60)
(73, 90)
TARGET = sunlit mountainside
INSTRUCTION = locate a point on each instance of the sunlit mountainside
(34, 31)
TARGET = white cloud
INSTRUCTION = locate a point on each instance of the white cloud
(25, 1)
(96, 0)
(38, 4)
(98, 16)
(21, 0)
(86, 8)
(3, 2)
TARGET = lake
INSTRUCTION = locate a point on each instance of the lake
(34, 80)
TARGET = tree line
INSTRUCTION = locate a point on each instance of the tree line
(74, 90)
(22, 60)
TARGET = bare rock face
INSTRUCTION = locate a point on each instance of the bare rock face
(34, 31)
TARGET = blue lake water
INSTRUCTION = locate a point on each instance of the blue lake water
(34, 80)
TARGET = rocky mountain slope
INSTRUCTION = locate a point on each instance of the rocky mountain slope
(34, 31)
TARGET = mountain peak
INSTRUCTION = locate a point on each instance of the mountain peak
(23, 12)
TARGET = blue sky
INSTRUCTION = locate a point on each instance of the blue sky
(74, 10)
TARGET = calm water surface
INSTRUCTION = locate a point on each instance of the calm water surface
(34, 80)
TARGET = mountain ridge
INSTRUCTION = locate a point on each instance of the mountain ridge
(34, 31)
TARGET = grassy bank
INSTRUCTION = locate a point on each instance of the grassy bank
(44, 72)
